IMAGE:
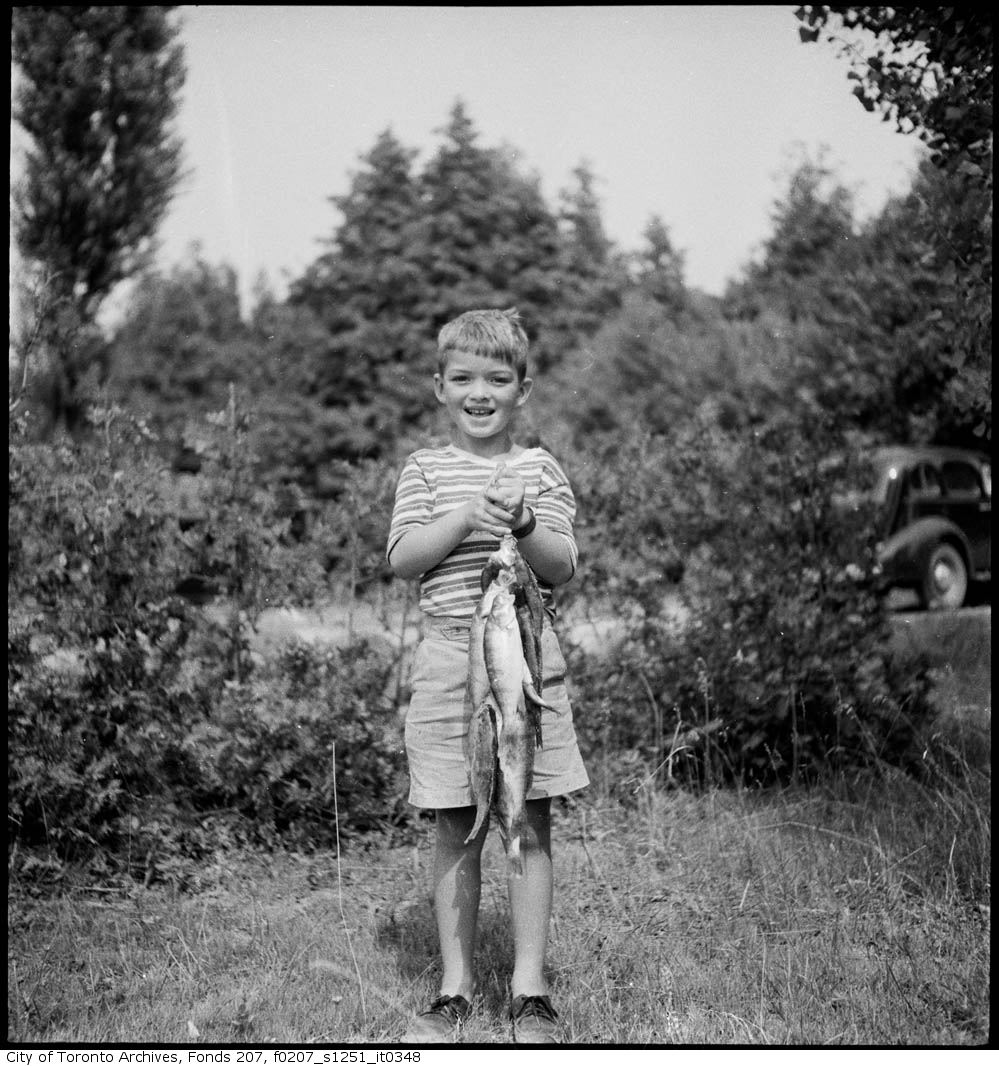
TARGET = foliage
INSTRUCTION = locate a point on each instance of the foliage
(931, 71)
(356, 526)
(414, 250)
(781, 669)
(178, 347)
(108, 667)
(659, 268)
(886, 326)
(806, 293)
(182, 345)
(654, 366)
(593, 274)
(96, 91)
(100, 686)
(928, 70)
(309, 748)
(924, 273)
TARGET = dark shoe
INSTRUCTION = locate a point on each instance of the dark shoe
(533, 1020)
(440, 1023)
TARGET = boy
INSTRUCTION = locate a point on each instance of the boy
(450, 512)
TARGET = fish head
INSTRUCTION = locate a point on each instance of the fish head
(503, 612)
(507, 552)
(503, 580)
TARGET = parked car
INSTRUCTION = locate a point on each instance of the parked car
(936, 510)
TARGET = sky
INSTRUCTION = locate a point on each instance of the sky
(694, 113)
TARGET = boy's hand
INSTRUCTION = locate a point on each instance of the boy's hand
(485, 513)
(508, 491)
(500, 505)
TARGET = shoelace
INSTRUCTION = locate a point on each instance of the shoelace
(454, 1008)
(539, 1006)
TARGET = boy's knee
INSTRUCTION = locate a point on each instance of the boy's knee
(536, 833)
(453, 826)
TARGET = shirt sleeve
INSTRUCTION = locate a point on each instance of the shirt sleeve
(556, 506)
(413, 502)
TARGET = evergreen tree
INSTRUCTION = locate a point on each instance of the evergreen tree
(813, 231)
(368, 291)
(411, 252)
(488, 237)
(594, 273)
(805, 293)
(930, 70)
(923, 284)
(659, 268)
(96, 92)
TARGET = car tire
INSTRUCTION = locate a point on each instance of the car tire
(945, 579)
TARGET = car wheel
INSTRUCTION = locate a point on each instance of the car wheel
(945, 579)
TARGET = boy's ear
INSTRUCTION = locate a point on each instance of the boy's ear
(525, 390)
(439, 387)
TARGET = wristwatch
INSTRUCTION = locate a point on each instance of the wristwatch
(527, 528)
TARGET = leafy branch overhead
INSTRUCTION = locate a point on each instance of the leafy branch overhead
(928, 69)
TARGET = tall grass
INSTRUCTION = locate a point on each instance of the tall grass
(856, 912)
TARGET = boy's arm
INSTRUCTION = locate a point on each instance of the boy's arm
(547, 552)
(550, 547)
(423, 547)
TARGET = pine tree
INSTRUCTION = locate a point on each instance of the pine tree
(594, 274)
(488, 236)
(368, 291)
(659, 268)
(411, 252)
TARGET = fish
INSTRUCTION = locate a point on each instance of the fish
(531, 622)
(504, 691)
(482, 738)
(512, 689)
(530, 612)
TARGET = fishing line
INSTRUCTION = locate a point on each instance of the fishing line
(339, 888)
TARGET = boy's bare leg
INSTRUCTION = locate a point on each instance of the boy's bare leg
(457, 888)
(531, 903)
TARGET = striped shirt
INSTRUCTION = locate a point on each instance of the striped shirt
(435, 481)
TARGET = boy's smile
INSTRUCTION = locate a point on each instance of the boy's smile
(481, 395)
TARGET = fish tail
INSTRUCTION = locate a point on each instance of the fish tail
(480, 816)
(514, 858)
(532, 694)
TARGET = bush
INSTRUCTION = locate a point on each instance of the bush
(109, 670)
(309, 748)
(100, 688)
(782, 670)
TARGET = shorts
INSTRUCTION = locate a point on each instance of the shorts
(438, 716)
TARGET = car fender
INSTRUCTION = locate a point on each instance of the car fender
(905, 553)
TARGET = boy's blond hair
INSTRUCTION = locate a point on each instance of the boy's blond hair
(491, 334)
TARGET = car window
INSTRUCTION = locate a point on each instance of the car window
(925, 480)
(960, 478)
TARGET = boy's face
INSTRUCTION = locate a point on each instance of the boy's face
(481, 395)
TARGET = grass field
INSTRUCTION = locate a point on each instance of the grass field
(853, 913)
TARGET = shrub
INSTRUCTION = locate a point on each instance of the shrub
(782, 669)
(311, 741)
(109, 669)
